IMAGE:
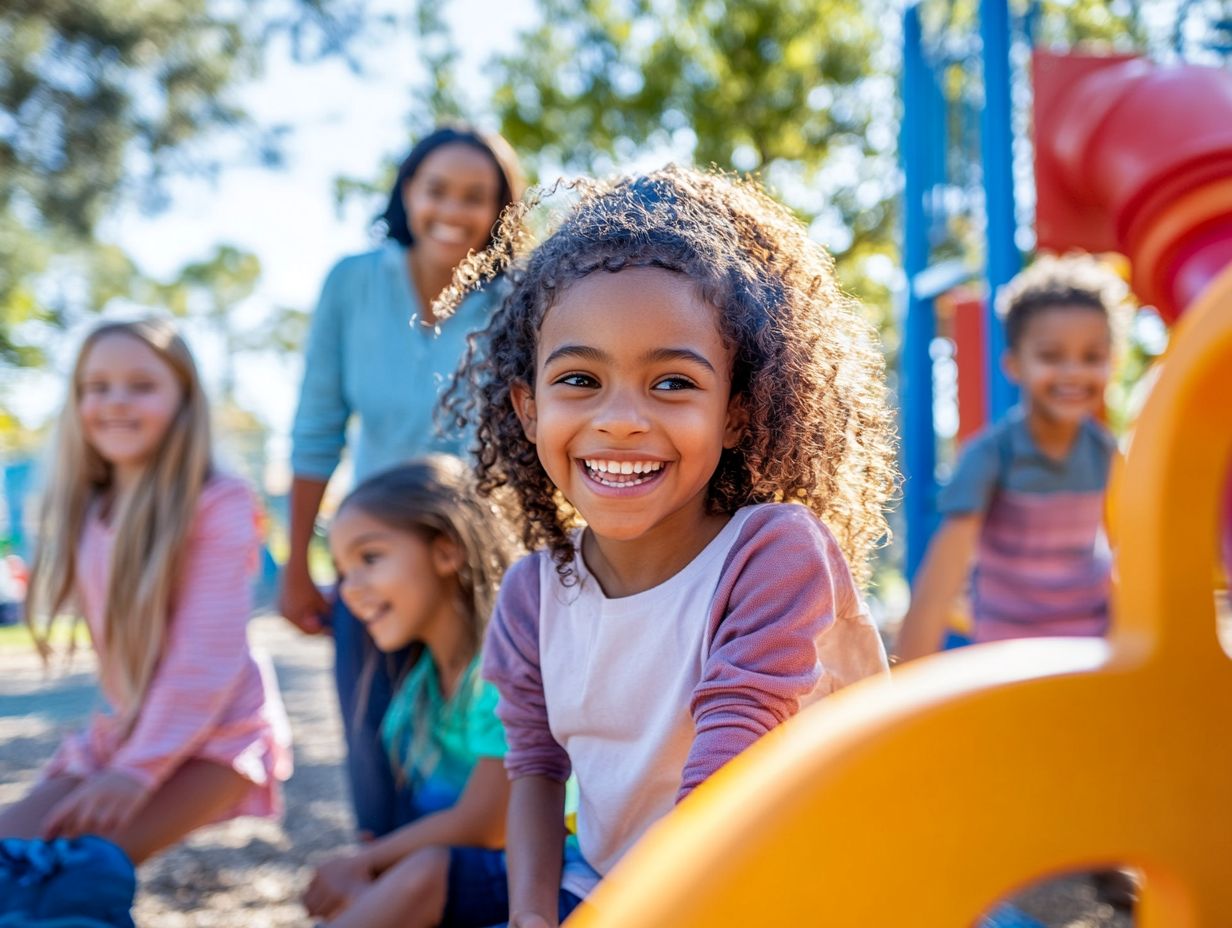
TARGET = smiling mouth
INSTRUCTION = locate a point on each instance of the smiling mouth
(374, 617)
(449, 235)
(622, 474)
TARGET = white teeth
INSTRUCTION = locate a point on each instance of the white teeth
(452, 234)
(623, 467)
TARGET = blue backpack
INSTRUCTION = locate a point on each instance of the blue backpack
(85, 882)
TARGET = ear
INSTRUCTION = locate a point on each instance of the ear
(523, 400)
(447, 559)
(737, 421)
(1010, 366)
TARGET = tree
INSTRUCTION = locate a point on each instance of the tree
(102, 99)
(798, 90)
(209, 291)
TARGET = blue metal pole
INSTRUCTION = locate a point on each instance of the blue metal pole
(997, 154)
(915, 362)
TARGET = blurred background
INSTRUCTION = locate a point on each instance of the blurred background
(213, 158)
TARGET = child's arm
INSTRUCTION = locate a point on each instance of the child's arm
(939, 581)
(786, 584)
(536, 848)
(205, 655)
(477, 819)
(536, 763)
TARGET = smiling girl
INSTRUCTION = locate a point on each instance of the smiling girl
(692, 419)
(143, 538)
(420, 557)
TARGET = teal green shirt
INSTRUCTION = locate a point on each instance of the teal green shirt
(435, 742)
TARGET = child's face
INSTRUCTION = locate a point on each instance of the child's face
(631, 406)
(1062, 362)
(451, 203)
(400, 586)
(129, 397)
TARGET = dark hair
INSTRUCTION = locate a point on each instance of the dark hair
(808, 364)
(433, 497)
(1051, 283)
(494, 146)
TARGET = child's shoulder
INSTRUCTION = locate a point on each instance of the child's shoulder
(1100, 435)
(349, 269)
(521, 581)
(221, 486)
(996, 433)
(773, 527)
(226, 500)
(991, 450)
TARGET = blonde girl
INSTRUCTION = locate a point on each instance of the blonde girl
(146, 541)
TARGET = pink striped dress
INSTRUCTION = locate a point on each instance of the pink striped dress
(209, 698)
(1043, 563)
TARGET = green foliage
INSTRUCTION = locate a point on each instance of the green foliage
(743, 85)
(209, 291)
(103, 99)
(1093, 25)
(1096, 25)
(439, 99)
(796, 90)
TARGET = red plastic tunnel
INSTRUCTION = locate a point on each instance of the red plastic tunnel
(1136, 158)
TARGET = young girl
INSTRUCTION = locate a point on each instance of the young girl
(1024, 511)
(676, 369)
(419, 558)
(154, 548)
(376, 352)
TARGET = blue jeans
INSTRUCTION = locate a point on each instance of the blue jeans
(381, 805)
(478, 894)
(84, 882)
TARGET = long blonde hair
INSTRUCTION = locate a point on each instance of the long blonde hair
(151, 524)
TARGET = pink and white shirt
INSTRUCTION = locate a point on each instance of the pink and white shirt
(209, 698)
(644, 696)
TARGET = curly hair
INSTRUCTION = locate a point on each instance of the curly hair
(1052, 282)
(807, 363)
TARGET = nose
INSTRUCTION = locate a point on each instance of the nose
(117, 397)
(348, 587)
(454, 209)
(621, 413)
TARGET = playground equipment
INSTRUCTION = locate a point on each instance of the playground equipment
(924, 800)
(1163, 196)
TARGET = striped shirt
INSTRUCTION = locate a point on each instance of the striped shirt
(209, 698)
(1043, 562)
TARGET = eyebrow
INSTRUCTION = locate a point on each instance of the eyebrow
(365, 538)
(443, 180)
(589, 353)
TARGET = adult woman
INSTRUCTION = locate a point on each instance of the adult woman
(376, 351)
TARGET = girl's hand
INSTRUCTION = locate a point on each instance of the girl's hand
(336, 884)
(102, 805)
